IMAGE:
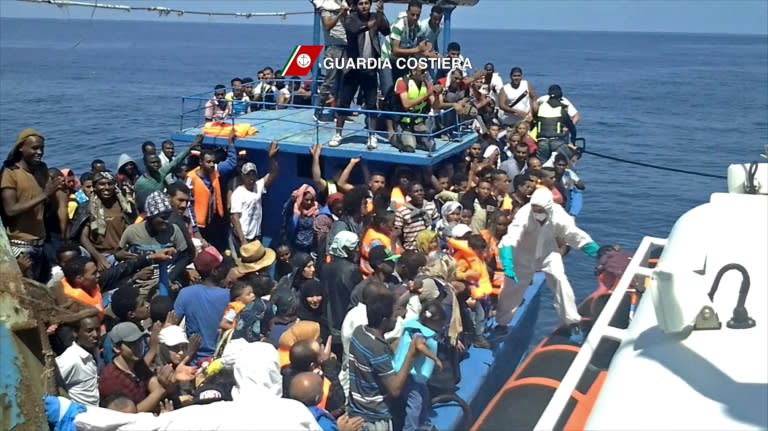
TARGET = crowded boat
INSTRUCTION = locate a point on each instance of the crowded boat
(181, 293)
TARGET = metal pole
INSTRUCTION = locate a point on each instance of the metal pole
(315, 68)
(446, 28)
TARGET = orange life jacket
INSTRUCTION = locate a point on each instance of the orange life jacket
(82, 297)
(483, 288)
(202, 196)
(397, 198)
(326, 390)
(497, 281)
(222, 129)
(369, 237)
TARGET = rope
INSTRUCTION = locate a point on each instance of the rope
(164, 11)
(648, 165)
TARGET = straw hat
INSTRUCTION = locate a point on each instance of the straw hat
(255, 257)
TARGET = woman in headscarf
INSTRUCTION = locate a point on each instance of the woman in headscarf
(450, 215)
(300, 213)
(311, 301)
(427, 243)
(339, 278)
(441, 271)
(492, 156)
(286, 296)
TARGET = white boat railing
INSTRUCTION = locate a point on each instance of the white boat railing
(601, 329)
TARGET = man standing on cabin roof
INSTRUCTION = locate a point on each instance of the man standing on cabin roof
(333, 14)
(239, 102)
(517, 100)
(25, 189)
(217, 109)
(530, 245)
(402, 43)
(430, 28)
(363, 29)
(204, 182)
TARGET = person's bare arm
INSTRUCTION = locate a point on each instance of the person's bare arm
(13, 207)
(234, 219)
(343, 183)
(85, 241)
(62, 200)
(317, 175)
(394, 384)
(274, 167)
(330, 21)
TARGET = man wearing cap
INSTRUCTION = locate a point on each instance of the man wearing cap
(218, 108)
(556, 118)
(383, 263)
(156, 233)
(245, 204)
(203, 304)
(155, 173)
(128, 374)
(25, 190)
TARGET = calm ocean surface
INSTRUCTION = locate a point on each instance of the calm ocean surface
(699, 102)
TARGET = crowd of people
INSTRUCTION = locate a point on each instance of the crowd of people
(367, 294)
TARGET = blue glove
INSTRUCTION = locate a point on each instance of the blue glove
(591, 249)
(508, 262)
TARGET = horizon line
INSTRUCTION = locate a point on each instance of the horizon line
(159, 20)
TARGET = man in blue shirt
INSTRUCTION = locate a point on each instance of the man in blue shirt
(204, 304)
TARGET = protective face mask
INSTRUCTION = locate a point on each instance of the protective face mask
(540, 216)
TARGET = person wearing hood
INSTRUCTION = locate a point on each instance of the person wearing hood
(339, 278)
(450, 214)
(312, 304)
(555, 120)
(531, 244)
(285, 296)
(127, 170)
(26, 188)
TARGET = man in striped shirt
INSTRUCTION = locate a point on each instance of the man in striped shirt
(403, 41)
(415, 215)
(371, 376)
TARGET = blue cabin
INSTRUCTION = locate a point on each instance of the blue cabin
(296, 130)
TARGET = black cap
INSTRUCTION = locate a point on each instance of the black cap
(555, 91)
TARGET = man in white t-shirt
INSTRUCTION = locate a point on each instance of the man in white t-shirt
(245, 207)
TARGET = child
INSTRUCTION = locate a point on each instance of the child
(240, 295)
(429, 325)
(253, 321)
(472, 270)
(283, 266)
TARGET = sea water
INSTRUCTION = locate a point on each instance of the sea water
(699, 102)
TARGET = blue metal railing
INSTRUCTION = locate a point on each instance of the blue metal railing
(445, 123)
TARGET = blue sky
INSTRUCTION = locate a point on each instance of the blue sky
(689, 16)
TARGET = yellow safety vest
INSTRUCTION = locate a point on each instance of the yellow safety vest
(415, 92)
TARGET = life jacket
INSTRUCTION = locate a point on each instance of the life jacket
(415, 92)
(82, 297)
(203, 196)
(326, 390)
(549, 121)
(497, 281)
(396, 198)
(369, 237)
(483, 288)
(222, 129)
(71, 206)
(506, 203)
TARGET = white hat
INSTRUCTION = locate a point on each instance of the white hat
(173, 336)
(460, 230)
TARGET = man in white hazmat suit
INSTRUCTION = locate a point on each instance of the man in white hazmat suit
(530, 244)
